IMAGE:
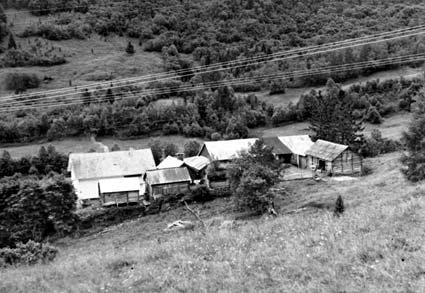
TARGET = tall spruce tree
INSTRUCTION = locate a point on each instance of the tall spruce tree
(333, 118)
(3, 21)
(414, 161)
(12, 43)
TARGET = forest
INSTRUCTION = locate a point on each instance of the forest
(187, 34)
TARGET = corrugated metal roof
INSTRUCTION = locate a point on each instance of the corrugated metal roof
(297, 144)
(120, 184)
(228, 149)
(326, 150)
(278, 147)
(167, 176)
(101, 165)
(198, 163)
(170, 162)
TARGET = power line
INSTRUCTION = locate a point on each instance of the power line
(303, 73)
(296, 53)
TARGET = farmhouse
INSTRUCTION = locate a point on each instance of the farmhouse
(117, 191)
(88, 169)
(298, 146)
(226, 151)
(334, 158)
(163, 182)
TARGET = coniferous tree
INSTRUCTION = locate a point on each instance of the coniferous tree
(333, 118)
(414, 138)
(12, 43)
(130, 48)
(339, 206)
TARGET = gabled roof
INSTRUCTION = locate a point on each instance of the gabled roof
(167, 176)
(103, 165)
(297, 144)
(326, 150)
(278, 147)
(119, 184)
(170, 162)
(227, 150)
(198, 163)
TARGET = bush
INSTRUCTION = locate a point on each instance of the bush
(277, 87)
(30, 253)
(31, 209)
(201, 194)
(215, 136)
(19, 82)
(191, 148)
(373, 116)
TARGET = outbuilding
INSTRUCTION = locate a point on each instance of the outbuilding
(117, 191)
(333, 158)
(298, 146)
(166, 182)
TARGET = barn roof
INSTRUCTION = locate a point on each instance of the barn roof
(227, 150)
(297, 144)
(170, 162)
(198, 163)
(119, 184)
(167, 176)
(101, 165)
(326, 150)
(278, 147)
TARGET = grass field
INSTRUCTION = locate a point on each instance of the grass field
(376, 246)
(84, 67)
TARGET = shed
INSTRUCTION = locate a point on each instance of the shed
(172, 181)
(280, 151)
(298, 146)
(121, 190)
(226, 150)
(87, 169)
(334, 158)
(197, 167)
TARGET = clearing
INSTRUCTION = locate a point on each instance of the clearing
(376, 246)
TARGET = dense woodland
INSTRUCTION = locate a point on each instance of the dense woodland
(191, 33)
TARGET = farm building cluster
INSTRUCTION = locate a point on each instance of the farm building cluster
(127, 177)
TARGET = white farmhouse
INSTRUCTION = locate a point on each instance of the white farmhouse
(89, 169)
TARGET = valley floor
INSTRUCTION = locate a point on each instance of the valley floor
(376, 246)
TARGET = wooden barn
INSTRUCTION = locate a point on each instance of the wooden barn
(227, 150)
(118, 191)
(280, 151)
(333, 158)
(298, 146)
(165, 182)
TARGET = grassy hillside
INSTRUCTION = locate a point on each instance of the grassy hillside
(107, 61)
(376, 246)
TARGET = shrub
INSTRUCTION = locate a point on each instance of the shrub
(366, 170)
(215, 136)
(373, 116)
(191, 148)
(201, 194)
(27, 254)
(277, 87)
(19, 82)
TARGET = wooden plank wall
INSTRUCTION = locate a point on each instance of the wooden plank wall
(347, 163)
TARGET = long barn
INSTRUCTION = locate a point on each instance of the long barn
(333, 158)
